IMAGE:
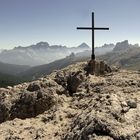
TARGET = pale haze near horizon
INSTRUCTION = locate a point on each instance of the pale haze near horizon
(26, 22)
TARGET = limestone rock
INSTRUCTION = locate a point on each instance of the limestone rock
(31, 104)
(26, 104)
(97, 67)
(33, 87)
(132, 103)
(73, 81)
(101, 106)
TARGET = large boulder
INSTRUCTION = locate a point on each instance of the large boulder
(25, 104)
(31, 104)
(73, 81)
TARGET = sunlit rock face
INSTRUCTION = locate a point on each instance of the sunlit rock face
(70, 105)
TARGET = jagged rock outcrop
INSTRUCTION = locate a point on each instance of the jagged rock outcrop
(25, 104)
(122, 46)
(71, 105)
(39, 54)
(97, 67)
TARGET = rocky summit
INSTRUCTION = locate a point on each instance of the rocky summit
(70, 105)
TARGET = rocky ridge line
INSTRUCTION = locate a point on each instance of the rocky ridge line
(69, 105)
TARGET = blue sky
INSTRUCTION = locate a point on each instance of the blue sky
(26, 22)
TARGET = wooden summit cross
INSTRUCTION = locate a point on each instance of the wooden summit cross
(92, 28)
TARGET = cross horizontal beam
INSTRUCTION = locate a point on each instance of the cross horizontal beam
(90, 28)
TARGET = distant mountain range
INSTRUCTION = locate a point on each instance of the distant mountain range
(13, 70)
(41, 53)
(98, 50)
(122, 54)
(124, 46)
(42, 70)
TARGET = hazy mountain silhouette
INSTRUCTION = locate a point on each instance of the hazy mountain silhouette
(124, 46)
(41, 53)
(98, 50)
(42, 70)
(124, 55)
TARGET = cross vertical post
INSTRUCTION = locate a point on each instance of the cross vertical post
(93, 53)
(93, 40)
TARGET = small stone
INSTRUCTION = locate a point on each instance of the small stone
(33, 87)
(125, 109)
(132, 103)
(108, 96)
(115, 69)
(39, 94)
(9, 87)
(79, 94)
(134, 82)
(124, 104)
(98, 90)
